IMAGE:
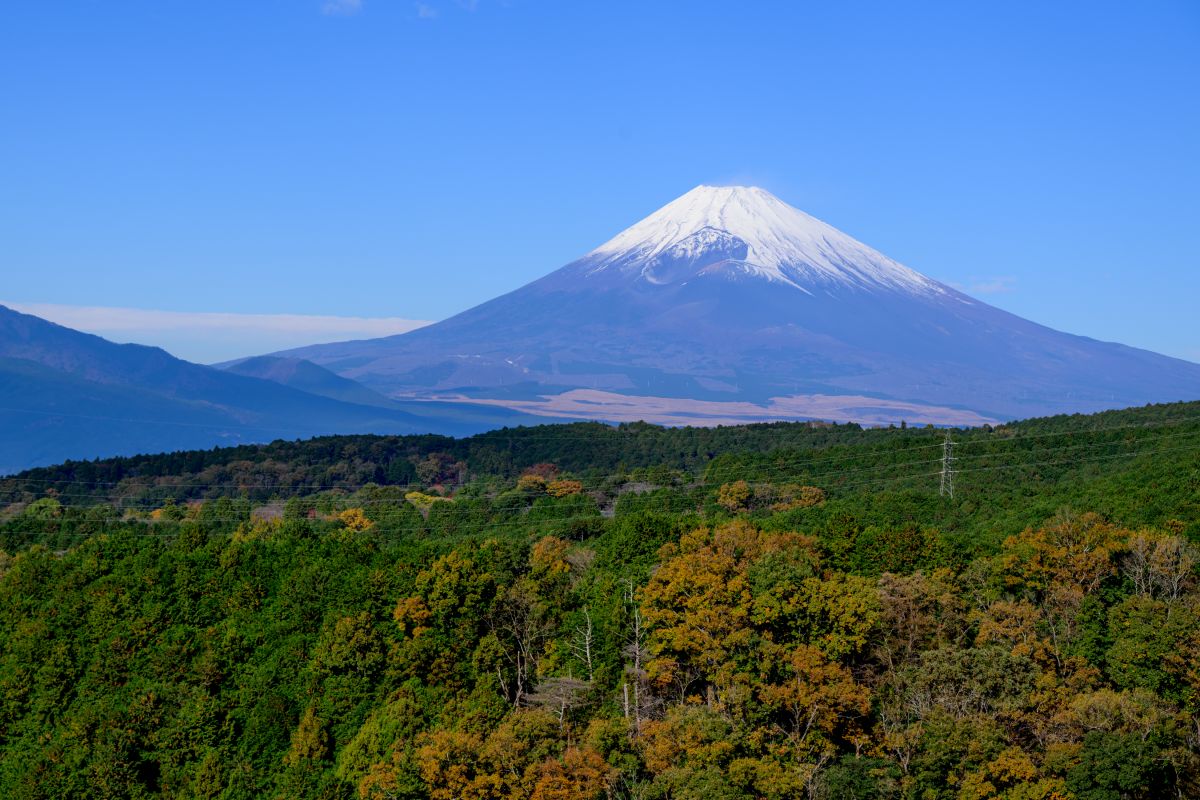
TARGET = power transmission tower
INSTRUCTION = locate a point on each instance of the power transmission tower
(947, 487)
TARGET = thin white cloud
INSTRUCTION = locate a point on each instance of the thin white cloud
(341, 7)
(208, 337)
(426, 11)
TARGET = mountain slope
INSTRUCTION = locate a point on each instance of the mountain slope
(729, 294)
(307, 377)
(51, 415)
(67, 394)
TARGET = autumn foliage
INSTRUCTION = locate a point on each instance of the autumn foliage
(551, 635)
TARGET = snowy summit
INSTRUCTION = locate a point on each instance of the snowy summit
(748, 229)
(731, 299)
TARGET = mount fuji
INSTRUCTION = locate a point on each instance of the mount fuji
(729, 305)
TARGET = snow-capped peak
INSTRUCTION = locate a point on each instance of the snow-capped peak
(759, 233)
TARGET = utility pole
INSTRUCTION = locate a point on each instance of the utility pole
(947, 487)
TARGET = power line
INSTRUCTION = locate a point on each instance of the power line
(487, 437)
(449, 507)
(1083, 460)
(834, 482)
(774, 470)
(777, 468)
(544, 516)
(997, 434)
(775, 465)
(1060, 449)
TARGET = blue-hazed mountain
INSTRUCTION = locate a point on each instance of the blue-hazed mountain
(729, 294)
(307, 377)
(71, 395)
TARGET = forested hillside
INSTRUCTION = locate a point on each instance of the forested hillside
(579, 611)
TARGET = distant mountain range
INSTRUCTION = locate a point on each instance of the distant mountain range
(728, 305)
(308, 377)
(71, 395)
(725, 306)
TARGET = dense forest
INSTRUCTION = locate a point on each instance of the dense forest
(585, 611)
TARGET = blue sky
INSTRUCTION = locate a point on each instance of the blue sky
(391, 159)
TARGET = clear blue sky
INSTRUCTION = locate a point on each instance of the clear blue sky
(396, 159)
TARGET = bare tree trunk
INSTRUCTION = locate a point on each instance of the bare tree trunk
(635, 649)
(584, 642)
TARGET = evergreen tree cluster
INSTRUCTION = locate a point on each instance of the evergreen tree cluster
(635, 612)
